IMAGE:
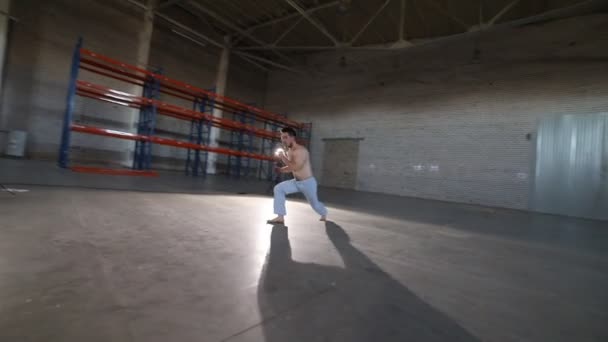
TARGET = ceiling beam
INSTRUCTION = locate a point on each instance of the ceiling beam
(267, 61)
(224, 21)
(185, 36)
(484, 25)
(234, 27)
(249, 60)
(284, 18)
(211, 41)
(317, 24)
(388, 46)
(447, 14)
(167, 4)
(202, 18)
(181, 26)
(373, 17)
(502, 12)
(286, 32)
(250, 17)
(292, 15)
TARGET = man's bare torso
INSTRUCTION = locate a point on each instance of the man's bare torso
(305, 171)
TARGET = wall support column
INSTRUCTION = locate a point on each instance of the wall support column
(220, 89)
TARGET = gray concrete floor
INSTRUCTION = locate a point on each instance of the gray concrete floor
(96, 258)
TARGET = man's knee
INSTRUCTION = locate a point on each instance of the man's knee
(279, 188)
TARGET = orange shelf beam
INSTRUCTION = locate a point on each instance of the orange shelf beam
(113, 172)
(164, 141)
(117, 97)
(185, 87)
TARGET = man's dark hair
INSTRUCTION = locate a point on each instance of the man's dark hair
(289, 130)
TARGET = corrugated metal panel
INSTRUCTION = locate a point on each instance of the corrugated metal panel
(572, 166)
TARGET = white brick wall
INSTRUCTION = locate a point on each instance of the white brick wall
(438, 125)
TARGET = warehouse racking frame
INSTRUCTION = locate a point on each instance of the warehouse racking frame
(244, 127)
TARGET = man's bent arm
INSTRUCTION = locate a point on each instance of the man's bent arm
(284, 169)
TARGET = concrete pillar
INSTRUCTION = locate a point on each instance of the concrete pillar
(144, 38)
(144, 41)
(4, 10)
(220, 89)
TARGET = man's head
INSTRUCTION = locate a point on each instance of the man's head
(288, 136)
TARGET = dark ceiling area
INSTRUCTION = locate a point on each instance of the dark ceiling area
(270, 32)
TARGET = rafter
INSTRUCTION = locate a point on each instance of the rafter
(202, 18)
(447, 13)
(267, 61)
(296, 14)
(371, 19)
(232, 26)
(389, 46)
(167, 3)
(492, 22)
(292, 15)
(502, 12)
(242, 11)
(286, 32)
(317, 24)
(249, 60)
(212, 41)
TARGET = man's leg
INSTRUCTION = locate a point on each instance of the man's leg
(281, 190)
(309, 189)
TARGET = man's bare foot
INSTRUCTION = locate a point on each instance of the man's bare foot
(276, 220)
(323, 218)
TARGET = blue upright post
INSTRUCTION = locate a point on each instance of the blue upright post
(246, 142)
(199, 134)
(195, 137)
(232, 167)
(199, 139)
(262, 151)
(151, 126)
(64, 149)
(189, 167)
(239, 143)
(143, 117)
(147, 123)
(208, 106)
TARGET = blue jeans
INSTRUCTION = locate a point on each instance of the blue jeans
(308, 187)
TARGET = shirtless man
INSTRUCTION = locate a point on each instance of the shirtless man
(296, 160)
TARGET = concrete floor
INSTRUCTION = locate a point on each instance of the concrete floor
(193, 260)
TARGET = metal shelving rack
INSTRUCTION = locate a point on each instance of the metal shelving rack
(242, 141)
(245, 125)
(200, 129)
(146, 124)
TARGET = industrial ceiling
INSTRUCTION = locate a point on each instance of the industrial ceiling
(269, 33)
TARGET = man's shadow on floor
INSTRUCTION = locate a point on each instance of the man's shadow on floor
(360, 302)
